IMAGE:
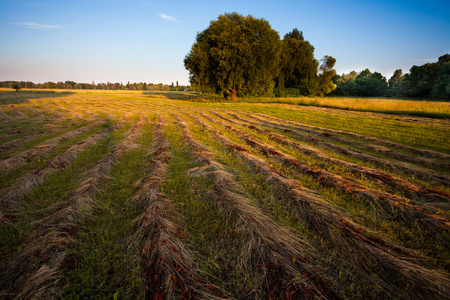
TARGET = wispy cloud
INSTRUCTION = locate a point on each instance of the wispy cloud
(38, 26)
(170, 18)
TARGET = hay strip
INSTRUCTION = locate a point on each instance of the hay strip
(167, 264)
(41, 149)
(36, 271)
(279, 257)
(369, 251)
(393, 165)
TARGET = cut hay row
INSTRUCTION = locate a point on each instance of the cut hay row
(167, 263)
(24, 112)
(268, 245)
(412, 191)
(14, 112)
(424, 152)
(57, 110)
(15, 193)
(366, 250)
(365, 114)
(13, 129)
(387, 202)
(41, 149)
(4, 116)
(19, 141)
(393, 165)
(35, 113)
(35, 272)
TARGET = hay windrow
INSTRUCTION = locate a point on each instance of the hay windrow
(19, 141)
(369, 251)
(251, 228)
(387, 202)
(168, 265)
(283, 246)
(424, 152)
(412, 191)
(16, 192)
(41, 149)
(36, 270)
(393, 165)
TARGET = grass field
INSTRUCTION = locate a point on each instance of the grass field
(131, 195)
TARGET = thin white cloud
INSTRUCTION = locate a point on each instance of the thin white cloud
(170, 18)
(38, 26)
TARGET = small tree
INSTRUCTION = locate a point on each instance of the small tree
(325, 79)
(16, 86)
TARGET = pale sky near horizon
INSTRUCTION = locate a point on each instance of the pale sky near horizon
(146, 40)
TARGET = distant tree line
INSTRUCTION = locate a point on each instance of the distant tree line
(239, 55)
(428, 80)
(141, 86)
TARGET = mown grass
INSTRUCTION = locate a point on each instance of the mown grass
(411, 107)
(55, 188)
(280, 209)
(409, 234)
(66, 127)
(209, 233)
(105, 263)
(35, 162)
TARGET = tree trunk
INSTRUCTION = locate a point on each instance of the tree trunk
(234, 95)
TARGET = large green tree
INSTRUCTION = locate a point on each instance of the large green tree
(298, 65)
(234, 54)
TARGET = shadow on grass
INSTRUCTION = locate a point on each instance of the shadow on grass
(185, 96)
(13, 97)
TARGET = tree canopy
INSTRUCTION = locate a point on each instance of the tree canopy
(234, 54)
(16, 86)
(428, 80)
(298, 65)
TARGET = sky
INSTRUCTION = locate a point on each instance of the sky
(147, 40)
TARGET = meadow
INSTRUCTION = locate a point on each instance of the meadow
(132, 195)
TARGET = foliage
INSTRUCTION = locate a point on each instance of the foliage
(364, 83)
(325, 79)
(136, 86)
(234, 54)
(298, 65)
(442, 88)
(16, 86)
(299, 69)
(430, 79)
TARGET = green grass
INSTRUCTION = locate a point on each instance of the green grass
(209, 233)
(9, 177)
(411, 107)
(56, 187)
(107, 265)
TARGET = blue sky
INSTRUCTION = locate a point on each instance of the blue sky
(146, 40)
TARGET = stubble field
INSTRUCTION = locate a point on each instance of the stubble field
(129, 195)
